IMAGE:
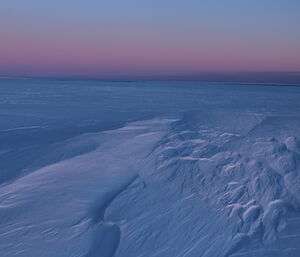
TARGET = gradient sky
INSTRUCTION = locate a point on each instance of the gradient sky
(147, 37)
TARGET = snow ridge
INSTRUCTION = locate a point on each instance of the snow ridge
(209, 184)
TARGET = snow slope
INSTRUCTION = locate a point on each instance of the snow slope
(213, 173)
(58, 210)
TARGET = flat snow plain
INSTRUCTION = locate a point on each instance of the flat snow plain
(142, 169)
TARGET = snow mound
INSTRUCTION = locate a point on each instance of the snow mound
(238, 166)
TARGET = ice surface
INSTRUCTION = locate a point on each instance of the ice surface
(161, 169)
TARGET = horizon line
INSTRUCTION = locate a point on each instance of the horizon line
(249, 77)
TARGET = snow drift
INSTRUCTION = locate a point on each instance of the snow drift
(209, 181)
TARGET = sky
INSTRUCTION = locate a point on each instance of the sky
(115, 38)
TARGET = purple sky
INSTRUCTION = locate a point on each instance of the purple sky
(116, 38)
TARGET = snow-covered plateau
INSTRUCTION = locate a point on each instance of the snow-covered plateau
(149, 169)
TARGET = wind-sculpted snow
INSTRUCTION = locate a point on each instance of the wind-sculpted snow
(191, 187)
(59, 210)
(241, 166)
(190, 170)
